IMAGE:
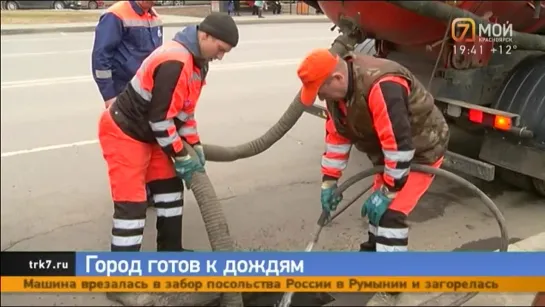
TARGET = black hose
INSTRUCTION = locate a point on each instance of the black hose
(444, 299)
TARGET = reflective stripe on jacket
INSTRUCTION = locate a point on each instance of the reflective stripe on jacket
(162, 96)
(337, 152)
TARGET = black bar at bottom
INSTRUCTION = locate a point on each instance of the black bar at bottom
(38, 264)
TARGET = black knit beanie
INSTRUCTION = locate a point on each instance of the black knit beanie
(222, 27)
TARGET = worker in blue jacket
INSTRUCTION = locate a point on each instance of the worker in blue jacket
(125, 35)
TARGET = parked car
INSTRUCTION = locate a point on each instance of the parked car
(26, 5)
(179, 3)
(91, 5)
(169, 3)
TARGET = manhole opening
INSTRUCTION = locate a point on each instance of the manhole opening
(267, 299)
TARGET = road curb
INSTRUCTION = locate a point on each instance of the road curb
(87, 28)
(535, 243)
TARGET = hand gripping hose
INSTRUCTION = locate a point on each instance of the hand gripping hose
(444, 299)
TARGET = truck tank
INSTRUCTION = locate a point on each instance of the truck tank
(385, 21)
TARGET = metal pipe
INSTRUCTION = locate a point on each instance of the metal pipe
(523, 132)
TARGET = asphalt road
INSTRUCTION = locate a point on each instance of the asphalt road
(55, 192)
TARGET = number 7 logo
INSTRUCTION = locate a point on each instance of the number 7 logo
(465, 27)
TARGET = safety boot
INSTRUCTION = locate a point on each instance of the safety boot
(368, 247)
(169, 247)
(383, 299)
(131, 299)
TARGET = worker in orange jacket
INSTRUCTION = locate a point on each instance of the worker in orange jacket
(381, 108)
(141, 133)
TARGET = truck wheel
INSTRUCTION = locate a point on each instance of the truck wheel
(59, 5)
(524, 94)
(515, 179)
(367, 47)
(92, 5)
(11, 6)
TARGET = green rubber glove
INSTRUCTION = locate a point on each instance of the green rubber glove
(185, 167)
(376, 205)
(200, 153)
(329, 203)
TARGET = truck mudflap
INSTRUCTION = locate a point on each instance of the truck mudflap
(452, 161)
(513, 156)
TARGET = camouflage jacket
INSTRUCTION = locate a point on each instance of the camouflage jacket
(429, 129)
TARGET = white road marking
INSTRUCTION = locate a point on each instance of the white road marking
(29, 54)
(170, 31)
(46, 38)
(260, 42)
(65, 80)
(47, 148)
(87, 78)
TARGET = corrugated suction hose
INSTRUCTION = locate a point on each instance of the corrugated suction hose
(340, 46)
(215, 223)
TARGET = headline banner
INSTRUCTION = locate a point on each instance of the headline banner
(290, 264)
(272, 284)
(310, 264)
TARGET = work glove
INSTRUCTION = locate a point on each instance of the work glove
(200, 153)
(185, 167)
(329, 203)
(376, 205)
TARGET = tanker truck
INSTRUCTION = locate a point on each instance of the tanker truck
(484, 62)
